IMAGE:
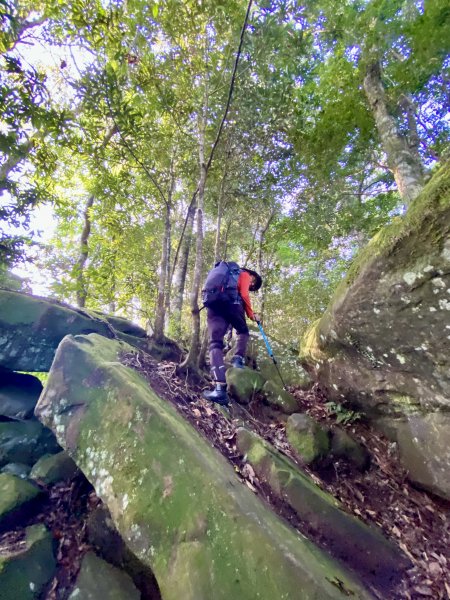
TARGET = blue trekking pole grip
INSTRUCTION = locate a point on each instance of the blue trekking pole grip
(270, 351)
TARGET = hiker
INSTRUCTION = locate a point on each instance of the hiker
(226, 297)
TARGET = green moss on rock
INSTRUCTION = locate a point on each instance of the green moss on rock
(176, 502)
(348, 538)
(307, 437)
(25, 572)
(14, 493)
(243, 384)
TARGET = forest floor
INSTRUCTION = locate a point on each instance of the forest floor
(416, 521)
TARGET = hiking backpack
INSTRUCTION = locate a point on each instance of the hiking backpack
(221, 285)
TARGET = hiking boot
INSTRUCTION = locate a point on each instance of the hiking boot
(218, 394)
(237, 362)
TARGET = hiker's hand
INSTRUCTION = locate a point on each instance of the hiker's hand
(256, 318)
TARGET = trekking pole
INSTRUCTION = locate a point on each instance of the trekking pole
(270, 351)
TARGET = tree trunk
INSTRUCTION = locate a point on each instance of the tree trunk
(203, 349)
(84, 247)
(179, 276)
(13, 160)
(260, 266)
(84, 253)
(225, 241)
(158, 332)
(191, 359)
(402, 156)
(160, 316)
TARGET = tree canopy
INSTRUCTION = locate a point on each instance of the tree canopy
(166, 135)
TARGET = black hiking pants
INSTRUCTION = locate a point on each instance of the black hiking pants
(219, 319)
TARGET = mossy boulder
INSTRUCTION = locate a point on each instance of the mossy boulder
(14, 494)
(424, 448)
(98, 579)
(19, 394)
(383, 343)
(53, 468)
(288, 361)
(279, 398)
(344, 446)
(174, 499)
(27, 567)
(307, 437)
(350, 540)
(25, 442)
(244, 384)
(32, 327)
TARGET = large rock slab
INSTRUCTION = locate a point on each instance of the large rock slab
(362, 547)
(27, 568)
(19, 394)
(383, 344)
(174, 499)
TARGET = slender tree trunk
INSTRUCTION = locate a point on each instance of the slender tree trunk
(160, 316)
(179, 276)
(260, 267)
(402, 156)
(225, 241)
(84, 247)
(158, 329)
(13, 160)
(84, 253)
(191, 359)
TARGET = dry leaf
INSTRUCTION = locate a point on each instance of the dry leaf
(447, 589)
(435, 569)
(248, 484)
(196, 413)
(421, 589)
(247, 471)
(396, 531)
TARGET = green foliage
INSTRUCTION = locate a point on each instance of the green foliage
(298, 180)
(343, 414)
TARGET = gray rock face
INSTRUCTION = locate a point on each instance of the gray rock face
(383, 343)
(19, 394)
(31, 329)
(25, 442)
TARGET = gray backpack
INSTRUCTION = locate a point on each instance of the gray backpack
(221, 285)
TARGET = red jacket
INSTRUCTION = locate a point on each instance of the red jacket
(243, 286)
